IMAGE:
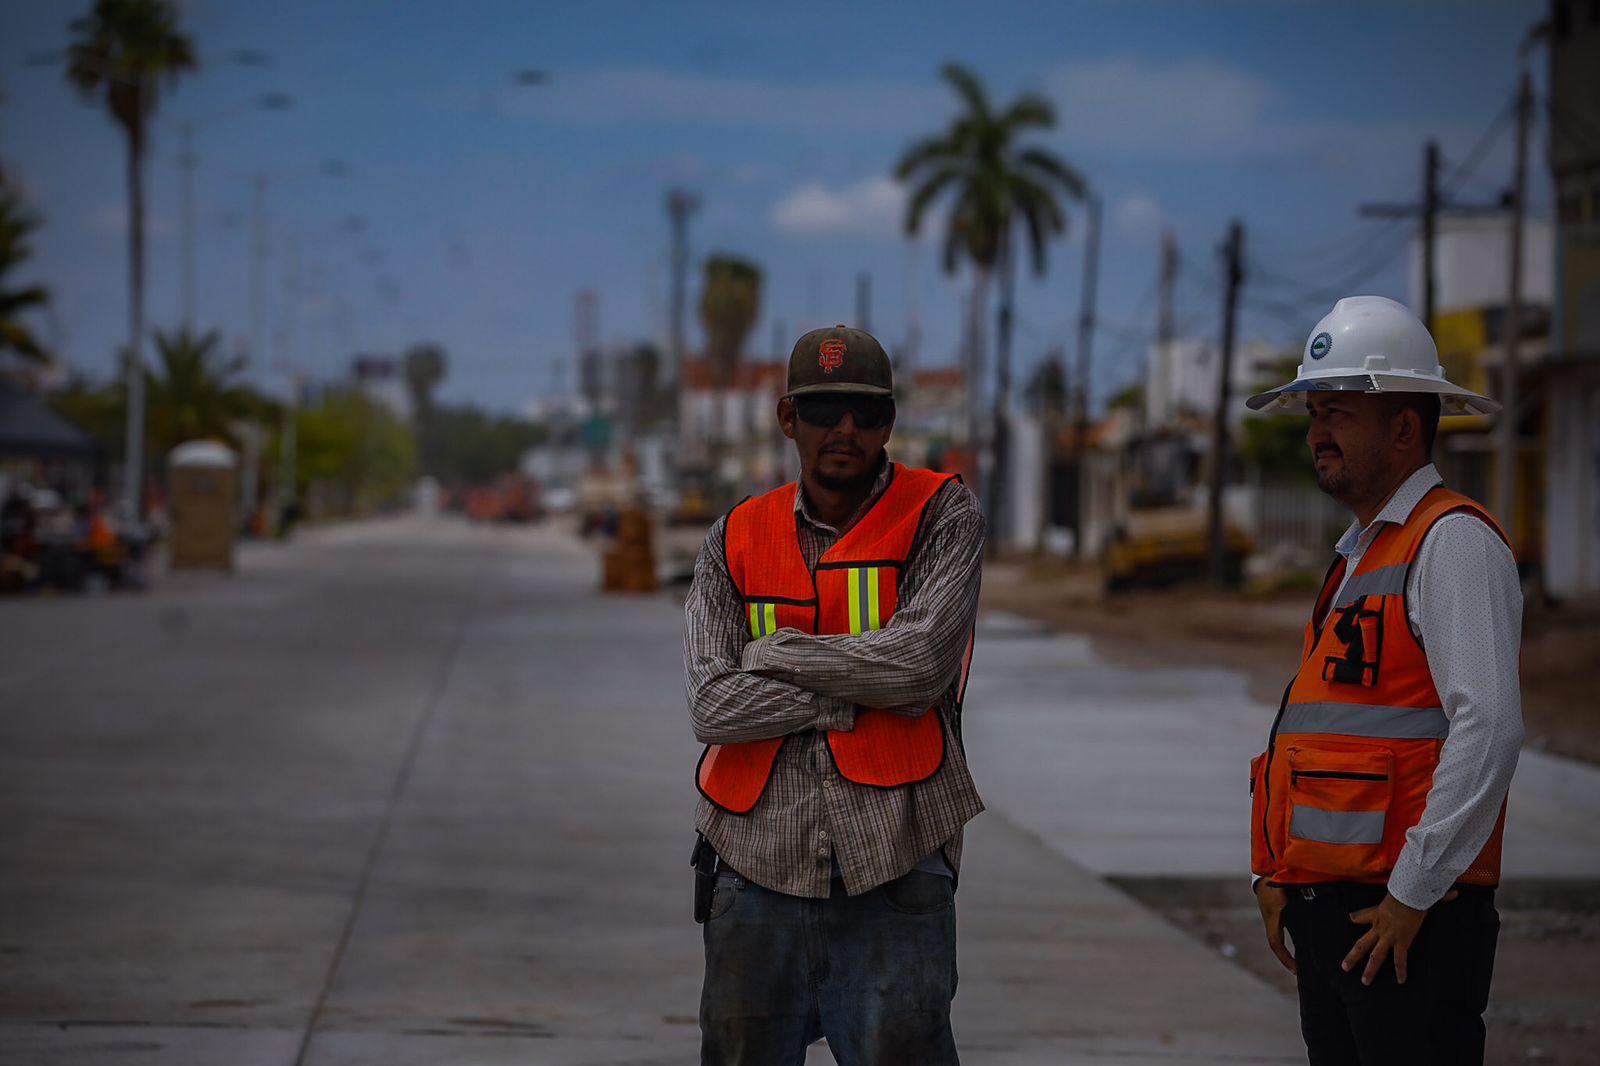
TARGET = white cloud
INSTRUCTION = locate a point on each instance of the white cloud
(871, 207)
(1136, 213)
(1187, 107)
(1203, 109)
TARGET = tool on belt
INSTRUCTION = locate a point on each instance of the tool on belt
(704, 861)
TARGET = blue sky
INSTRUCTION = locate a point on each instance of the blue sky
(485, 206)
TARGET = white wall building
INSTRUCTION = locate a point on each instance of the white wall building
(1182, 382)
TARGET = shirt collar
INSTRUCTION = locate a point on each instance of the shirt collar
(880, 483)
(1403, 501)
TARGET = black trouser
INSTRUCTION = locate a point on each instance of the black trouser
(1434, 1019)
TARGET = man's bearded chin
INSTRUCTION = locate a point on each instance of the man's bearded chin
(847, 484)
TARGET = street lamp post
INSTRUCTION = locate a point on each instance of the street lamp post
(187, 160)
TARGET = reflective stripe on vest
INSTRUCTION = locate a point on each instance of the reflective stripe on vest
(1365, 720)
(865, 611)
(1336, 827)
(1384, 581)
(763, 619)
(1351, 755)
(852, 589)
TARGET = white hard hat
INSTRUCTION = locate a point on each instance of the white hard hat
(1372, 344)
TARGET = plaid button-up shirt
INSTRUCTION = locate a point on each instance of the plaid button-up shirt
(798, 685)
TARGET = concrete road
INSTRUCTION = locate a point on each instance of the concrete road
(413, 793)
(1138, 773)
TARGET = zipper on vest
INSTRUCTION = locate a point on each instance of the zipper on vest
(1338, 775)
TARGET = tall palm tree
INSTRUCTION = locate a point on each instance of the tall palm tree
(16, 223)
(126, 49)
(994, 184)
(194, 391)
(425, 366)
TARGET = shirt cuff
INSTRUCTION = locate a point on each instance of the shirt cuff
(753, 656)
(1417, 888)
(835, 714)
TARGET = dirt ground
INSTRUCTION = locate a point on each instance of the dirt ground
(1260, 635)
(1545, 1007)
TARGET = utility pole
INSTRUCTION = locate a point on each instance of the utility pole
(864, 302)
(680, 205)
(1233, 255)
(1160, 402)
(186, 160)
(1428, 211)
(1000, 470)
(258, 261)
(913, 343)
(1506, 482)
(133, 440)
(1430, 221)
(1086, 316)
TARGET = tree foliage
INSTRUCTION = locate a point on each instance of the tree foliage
(126, 48)
(993, 181)
(355, 450)
(17, 223)
(195, 391)
(730, 302)
(473, 447)
(1275, 444)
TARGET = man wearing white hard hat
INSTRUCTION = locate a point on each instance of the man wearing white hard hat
(1378, 806)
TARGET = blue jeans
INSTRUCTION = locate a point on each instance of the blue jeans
(873, 973)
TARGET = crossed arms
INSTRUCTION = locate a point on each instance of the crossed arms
(742, 689)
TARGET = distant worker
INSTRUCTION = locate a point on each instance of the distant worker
(829, 630)
(1379, 803)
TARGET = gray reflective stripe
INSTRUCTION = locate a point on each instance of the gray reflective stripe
(1366, 720)
(864, 598)
(1336, 827)
(1384, 581)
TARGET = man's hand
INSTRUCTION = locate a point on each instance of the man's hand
(1272, 900)
(1394, 927)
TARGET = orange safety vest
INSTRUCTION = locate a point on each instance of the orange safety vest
(1352, 752)
(852, 590)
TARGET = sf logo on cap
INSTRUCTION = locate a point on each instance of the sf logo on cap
(831, 354)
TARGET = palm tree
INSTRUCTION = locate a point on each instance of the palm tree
(194, 391)
(425, 367)
(729, 306)
(16, 223)
(126, 48)
(994, 183)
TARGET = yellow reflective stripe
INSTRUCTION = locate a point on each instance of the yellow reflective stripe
(853, 595)
(874, 615)
(763, 619)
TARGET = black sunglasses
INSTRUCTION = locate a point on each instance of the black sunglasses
(826, 410)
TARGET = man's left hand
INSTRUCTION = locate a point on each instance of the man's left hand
(1394, 927)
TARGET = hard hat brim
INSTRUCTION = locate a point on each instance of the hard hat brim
(1453, 399)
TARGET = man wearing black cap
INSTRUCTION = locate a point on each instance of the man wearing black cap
(829, 629)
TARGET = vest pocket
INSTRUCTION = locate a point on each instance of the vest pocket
(1338, 805)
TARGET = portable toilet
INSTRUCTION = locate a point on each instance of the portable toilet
(203, 479)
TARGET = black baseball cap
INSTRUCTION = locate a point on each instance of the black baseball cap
(839, 359)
